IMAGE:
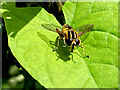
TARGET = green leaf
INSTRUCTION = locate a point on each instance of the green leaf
(32, 45)
(102, 43)
(17, 18)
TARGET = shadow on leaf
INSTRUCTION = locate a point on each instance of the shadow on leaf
(62, 52)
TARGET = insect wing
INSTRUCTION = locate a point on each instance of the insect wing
(84, 28)
(51, 27)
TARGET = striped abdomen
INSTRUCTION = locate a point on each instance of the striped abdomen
(72, 38)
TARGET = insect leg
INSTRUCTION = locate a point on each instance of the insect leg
(61, 34)
(83, 49)
(64, 42)
(58, 38)
(72, 47)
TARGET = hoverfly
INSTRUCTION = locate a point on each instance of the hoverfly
(69, 36)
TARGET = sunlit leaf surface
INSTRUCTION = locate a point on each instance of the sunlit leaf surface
(32, 45)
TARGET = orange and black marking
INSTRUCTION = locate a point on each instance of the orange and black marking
(69, 36)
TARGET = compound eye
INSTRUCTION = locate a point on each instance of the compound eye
(69, 27)
(77, 41)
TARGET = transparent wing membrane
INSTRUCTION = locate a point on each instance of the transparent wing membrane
(84, 28)
(51, 27)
